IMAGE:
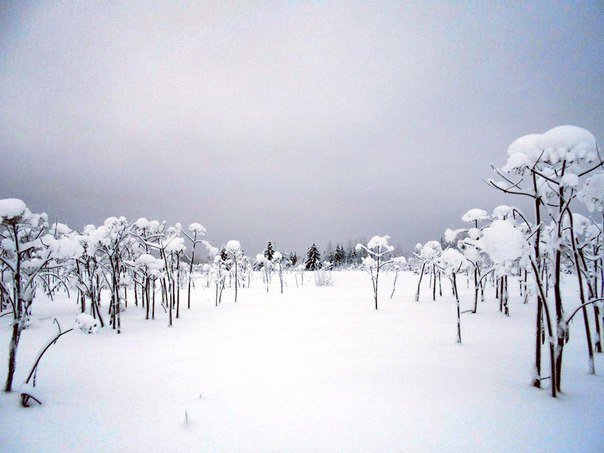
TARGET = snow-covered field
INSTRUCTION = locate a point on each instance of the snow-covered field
(315, 369)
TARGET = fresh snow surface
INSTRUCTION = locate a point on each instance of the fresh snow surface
(317, 369)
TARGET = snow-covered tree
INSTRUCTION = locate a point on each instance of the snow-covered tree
(452, 262)
(428, 254)
(377, 250)
(313, 258)
(396, 264)
(550, 168)
(23, 257)
(235, 255)
(197, 230)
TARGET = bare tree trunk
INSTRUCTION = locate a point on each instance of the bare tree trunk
(394, 285)
(433, 282)
(12, 355)
(592, 369)
(177, 285)
(236, 281)
(454, 281)
(419, 284)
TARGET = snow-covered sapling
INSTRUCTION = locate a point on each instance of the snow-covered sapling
(377, 250)
(397, 265)
(235, 255)
(196, 231)
(428, 254)
(452, 262)
(23, 256)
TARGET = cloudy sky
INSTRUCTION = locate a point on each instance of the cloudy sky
(295, 122)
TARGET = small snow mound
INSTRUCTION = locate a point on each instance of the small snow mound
(87, 323)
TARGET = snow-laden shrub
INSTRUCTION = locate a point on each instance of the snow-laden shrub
(323, 277)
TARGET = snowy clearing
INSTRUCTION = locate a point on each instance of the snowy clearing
(315, 369)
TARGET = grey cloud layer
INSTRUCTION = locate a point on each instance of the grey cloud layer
(295, 122)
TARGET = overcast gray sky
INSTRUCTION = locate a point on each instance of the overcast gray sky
(295, 122)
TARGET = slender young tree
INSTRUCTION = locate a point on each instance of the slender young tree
(377, 250)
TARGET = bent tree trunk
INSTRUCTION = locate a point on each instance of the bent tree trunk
(419, 284)
(12, 356)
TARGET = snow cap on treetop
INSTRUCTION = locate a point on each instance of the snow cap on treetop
(59, 229)
(149, 261)
(502, 212)
(523, 152)
(502, 242)
(197, 228)
(12, 208)
(451, 235)
(452, 261)
(399, 260)
(431, 250)
(379, 242)
(563, 140)
(176, 244)
(110, 221)
(233, 246)
(64, 247)
(475, 215)
(142, 223)
(570, 143)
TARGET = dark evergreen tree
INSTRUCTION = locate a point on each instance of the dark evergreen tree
(313, 258)
(269, 252)
(338, 256)
(293, 258)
